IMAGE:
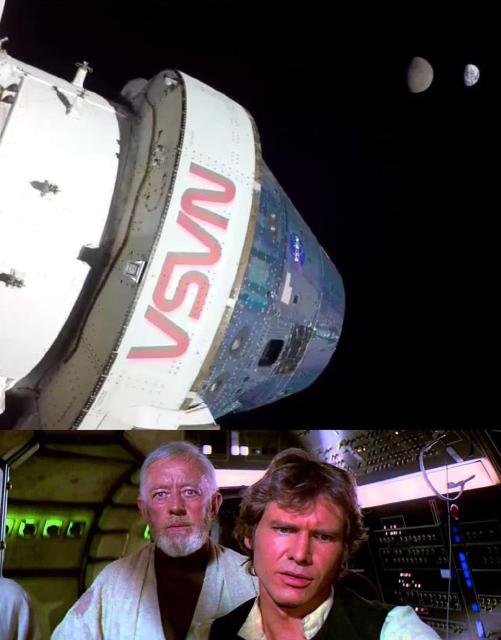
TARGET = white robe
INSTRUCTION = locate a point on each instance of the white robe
(17, 621)
(122, 603)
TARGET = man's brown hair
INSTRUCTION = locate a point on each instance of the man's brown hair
(294, 480)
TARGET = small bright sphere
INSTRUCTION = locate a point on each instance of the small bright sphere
(471, 75)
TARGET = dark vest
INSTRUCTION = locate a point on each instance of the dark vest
(351, 618)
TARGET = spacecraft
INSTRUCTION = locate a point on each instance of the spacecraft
(153, 273)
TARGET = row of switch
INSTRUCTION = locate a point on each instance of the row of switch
(481, 534)
(435, 599)
(413, 551)
(485, 556)
(442, 626)
(399, 538)
(439, 562)
(489, 603)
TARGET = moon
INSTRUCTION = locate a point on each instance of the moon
(419, 75)
(471, 75)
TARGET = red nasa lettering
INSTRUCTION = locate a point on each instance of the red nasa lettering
(190, 212)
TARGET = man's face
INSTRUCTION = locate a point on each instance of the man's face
(177, 504)
(298, 554)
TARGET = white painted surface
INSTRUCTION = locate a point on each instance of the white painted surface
(413, 486)
(408, 487)
(287, 290)
(145, 391)
(148, 417)
(42, 234)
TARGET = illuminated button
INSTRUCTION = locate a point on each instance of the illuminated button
(9, 526)
(75, 529)
(52, 528)
(28, 528)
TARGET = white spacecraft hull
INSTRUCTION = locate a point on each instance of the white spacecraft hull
(189, 277)
(153, 273)
(174, 234)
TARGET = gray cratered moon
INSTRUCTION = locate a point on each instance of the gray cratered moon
(471, 75)
(419, 75)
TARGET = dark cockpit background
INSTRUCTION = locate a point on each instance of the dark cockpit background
(72, 509)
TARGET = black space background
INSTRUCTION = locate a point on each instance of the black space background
(400, 189)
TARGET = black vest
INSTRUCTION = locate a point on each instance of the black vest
(351, 618)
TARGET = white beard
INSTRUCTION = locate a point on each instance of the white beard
(183, 545)
(180, 546)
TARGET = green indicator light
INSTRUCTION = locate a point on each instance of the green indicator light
(9, 526)
(75, 529)
(28, 528)
(147, 533)
(52, 528)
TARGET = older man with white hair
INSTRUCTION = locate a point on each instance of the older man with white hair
(179, 580)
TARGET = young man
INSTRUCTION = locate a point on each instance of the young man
(299, 525)
(180, 579)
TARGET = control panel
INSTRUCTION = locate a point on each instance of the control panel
(377, 455)
(409, 547)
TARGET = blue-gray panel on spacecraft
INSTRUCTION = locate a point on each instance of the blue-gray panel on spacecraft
(288, 316)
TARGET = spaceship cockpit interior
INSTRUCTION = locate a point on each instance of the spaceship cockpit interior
(68, 509)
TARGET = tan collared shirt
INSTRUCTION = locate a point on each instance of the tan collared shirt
(252, 628)
(401, 623)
